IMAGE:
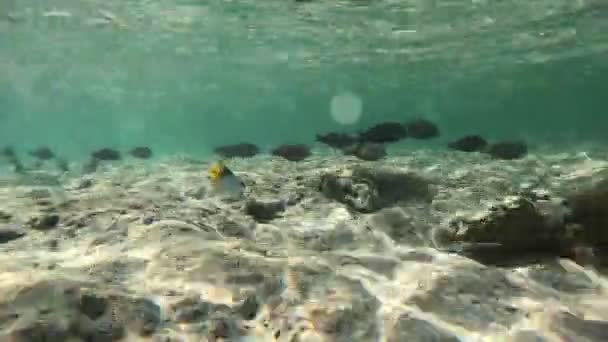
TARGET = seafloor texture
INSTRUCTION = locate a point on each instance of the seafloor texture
(422, 246)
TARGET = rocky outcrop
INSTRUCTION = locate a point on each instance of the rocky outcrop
(371, 189)
(533, 224)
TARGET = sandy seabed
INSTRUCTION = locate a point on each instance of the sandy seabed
(144, 251)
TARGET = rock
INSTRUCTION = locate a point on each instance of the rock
(198, 193)
(250, 307)
(38, 194)
(93, 306)
(368, 190)
(26, 330)
(84, 183)
(146, 316)
(517, 226)
(9, 233)
(264, 211)
(44, 221)
(190, 309)
(235, 229)
(105, 329)
(90, 166)
(44, 311)
(408, 328)
(4, 216)
(223, 327)
(573, 328)
(590, 209)
(525, 335)
(400, 227)
(338, 318)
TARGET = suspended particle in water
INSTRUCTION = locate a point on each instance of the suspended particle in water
(346, 108)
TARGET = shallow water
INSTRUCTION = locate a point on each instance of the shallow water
(184, 76)
(139, 250)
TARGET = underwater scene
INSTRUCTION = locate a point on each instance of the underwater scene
(304, 170)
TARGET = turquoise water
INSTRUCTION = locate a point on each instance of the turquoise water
(185, 76)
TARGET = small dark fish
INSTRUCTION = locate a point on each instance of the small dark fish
(469, 143)
(242, 150)
(421, 129)
(9, 152)
(42, 153)
(337, 140)
(386, 132)
(106, 154)
(13, 159)
(141, 152)
(293, 152)
(366, 151)
(507, 150)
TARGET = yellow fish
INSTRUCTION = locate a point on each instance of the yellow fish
(224, 181)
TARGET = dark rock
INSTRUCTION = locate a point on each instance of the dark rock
(528, 335)
(141, 152)
(421, 129)
(8, 233)
(508, 150)
(293, 152)
(249, 308)
(366, 151)
(5, 217)
(408, 328)
(590, 209)
(39, 194)
(84, 183)
(106, 154)
(93, 306)
(469, 143)
(105, 330)
(337, 140)
(234, 229)
(264, 211)
(190, 310)
(370, 189)
(222, 327)
(386, 132)
(517, 227)
(42, 153)
(242, 150)
(33, 331)
(13, 159)
(44, 222)
(148, 219)
(45, 311)
(573, 328)
(146, 317)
